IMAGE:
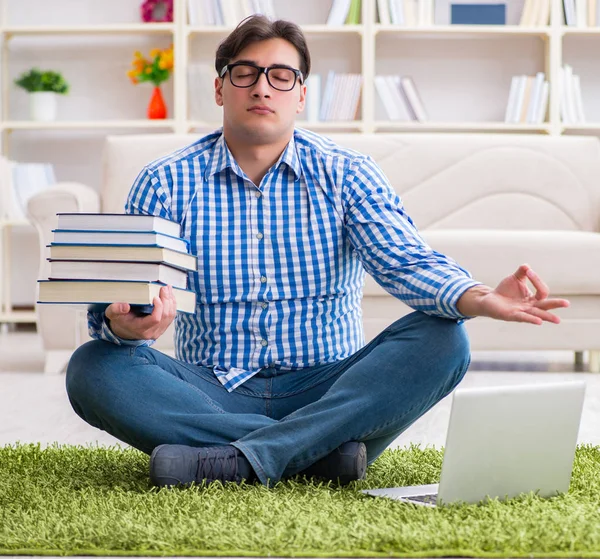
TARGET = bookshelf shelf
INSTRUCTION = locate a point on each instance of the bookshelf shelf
(14, 317)
(580, 31)
(88, 29)
(86, 125)
(448, 31)
(460, 126)
(588, 126)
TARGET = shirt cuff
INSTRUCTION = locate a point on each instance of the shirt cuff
(449, 294)
(110, 336)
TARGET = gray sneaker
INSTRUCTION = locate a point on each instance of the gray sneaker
(348, 462)
(174, 464)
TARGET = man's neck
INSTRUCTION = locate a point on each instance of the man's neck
(255, 160)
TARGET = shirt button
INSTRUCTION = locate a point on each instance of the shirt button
(258, 194)
(259, 236)
(264, 305)
(264, 343)
(263, 279)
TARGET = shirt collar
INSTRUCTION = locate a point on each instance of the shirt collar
(223, 158)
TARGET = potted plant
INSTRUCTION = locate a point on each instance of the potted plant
(155, 69)
(43, 87)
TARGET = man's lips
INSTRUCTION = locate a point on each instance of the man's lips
(261, 109)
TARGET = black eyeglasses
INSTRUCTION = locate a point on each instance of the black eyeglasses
(244, 74)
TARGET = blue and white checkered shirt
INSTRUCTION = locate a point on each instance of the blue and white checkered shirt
(281, 265)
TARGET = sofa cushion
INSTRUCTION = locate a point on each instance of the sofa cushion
(568, 261)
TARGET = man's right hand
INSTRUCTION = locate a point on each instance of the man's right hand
(130, 326)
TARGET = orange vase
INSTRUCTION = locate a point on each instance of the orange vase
(157, 107)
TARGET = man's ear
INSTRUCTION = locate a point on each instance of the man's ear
(219, 91)
(302, 100)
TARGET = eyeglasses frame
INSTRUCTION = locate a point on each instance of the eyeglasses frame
(262, 70)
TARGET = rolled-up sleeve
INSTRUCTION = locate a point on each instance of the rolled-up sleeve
(392, 250)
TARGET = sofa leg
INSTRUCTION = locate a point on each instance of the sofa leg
(578, 359)
(56, 361)
(594, 361)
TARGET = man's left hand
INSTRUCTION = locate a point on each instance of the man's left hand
(513, 300)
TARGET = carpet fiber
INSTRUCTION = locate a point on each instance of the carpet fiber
(97, 501)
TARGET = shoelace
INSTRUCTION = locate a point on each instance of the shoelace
(217, 464)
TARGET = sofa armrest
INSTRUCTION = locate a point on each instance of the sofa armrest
(62, 197)
(62, 329)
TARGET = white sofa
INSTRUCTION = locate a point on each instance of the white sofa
(491, 201)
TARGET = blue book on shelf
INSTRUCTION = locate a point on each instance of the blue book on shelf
(478, 14)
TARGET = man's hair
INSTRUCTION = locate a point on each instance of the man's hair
(260, 28)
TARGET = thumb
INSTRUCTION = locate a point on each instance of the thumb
(116, 309)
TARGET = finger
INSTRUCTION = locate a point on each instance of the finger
(541, 288)
(544, 315)
(523, 316)
(168, 300)
(158, 310)
(116, 309)
(549, 304)
(521, 273)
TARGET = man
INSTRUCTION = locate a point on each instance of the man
(273, 378)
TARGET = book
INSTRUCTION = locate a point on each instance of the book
(77, 237)
(114, 253)
(117, 222)
(478, 14)
(125, 271)
(412, 95)
(99, 294)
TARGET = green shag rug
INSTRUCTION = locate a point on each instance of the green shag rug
(66, 500)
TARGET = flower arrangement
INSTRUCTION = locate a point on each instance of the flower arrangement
(155, 69)
(36, 80)
(157, 10)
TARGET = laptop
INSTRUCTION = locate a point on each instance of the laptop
(503, 441)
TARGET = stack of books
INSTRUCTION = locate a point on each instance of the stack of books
(99, 259)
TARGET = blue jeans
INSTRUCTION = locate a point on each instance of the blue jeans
(282, 421)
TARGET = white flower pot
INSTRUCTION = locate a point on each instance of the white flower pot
(42, 105)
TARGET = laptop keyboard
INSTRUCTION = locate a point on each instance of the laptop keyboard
(430, 499)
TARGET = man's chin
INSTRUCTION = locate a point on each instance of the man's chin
(264, 132)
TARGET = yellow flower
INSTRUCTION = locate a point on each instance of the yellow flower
(154, 53)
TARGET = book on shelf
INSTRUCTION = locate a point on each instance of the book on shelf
(76, 237)
(383, 11)
(571, 102)
(117, 222)
(124, 253)
(338, 12)
(527, 99)
(313, 97)
(414, 99)
(353, 17)
(341, 97)
(97, 295)
(393, 98)
(124, 271)
(226, 12)
(536, 13)
(478, 14)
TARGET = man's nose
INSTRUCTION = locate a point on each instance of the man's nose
(261, 88)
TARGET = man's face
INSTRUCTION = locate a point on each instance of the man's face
(260, 113)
